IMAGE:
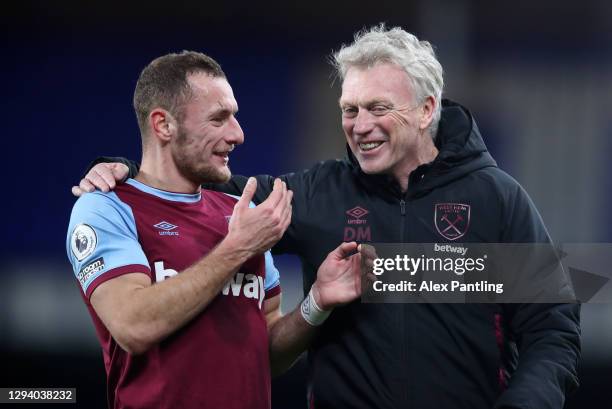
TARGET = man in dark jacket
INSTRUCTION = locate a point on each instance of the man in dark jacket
(409, 154)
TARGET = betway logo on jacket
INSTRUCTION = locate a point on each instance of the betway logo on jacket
(249, 285)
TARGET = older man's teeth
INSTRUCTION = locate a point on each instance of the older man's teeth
(369, 146)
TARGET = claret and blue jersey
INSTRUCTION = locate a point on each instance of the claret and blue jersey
(139, 229)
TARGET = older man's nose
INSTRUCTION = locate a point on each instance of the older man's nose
(364, 122)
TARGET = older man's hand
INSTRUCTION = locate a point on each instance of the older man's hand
(103, 176)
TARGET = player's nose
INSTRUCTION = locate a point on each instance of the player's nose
(234, 134)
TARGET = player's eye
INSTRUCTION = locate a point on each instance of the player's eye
(219, 120)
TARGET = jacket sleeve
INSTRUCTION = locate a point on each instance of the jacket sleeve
(547, 335)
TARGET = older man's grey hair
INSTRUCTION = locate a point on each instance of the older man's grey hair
(379, 45)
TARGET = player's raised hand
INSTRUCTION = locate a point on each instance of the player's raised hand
(339, 277)
(257, 229)
(103, 176)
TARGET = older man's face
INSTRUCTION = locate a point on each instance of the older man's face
(381, 119)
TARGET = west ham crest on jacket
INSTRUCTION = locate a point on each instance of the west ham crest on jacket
(452, 220)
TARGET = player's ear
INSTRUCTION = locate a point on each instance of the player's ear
(162, 124)
(427, 110)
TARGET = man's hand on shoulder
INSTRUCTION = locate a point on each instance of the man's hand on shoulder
(103, 176)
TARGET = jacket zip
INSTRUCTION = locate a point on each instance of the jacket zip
(403, 319)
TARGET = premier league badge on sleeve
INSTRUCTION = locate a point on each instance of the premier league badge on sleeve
(83, 241)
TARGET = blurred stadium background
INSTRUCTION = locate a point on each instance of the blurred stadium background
(537, 75)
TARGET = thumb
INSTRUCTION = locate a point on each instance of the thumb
(344, 250)
(120, 172)
(247, 194)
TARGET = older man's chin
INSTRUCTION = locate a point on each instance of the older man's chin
(372, 168)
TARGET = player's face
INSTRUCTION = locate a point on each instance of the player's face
(381, 118)
(208, 131)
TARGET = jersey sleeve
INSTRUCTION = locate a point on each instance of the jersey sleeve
(102, 241)
(272, 282)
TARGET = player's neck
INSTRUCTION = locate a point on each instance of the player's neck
(163, 174)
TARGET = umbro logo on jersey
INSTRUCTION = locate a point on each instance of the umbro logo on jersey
(166, 229)
(165, 226)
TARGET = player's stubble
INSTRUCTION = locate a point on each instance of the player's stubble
(190, 163)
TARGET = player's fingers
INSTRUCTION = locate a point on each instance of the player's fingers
(281, 206)
(76, 191)
(284, 211)
(289, 206)
(286, 217)
(289, 200)
(281, 192)
(276, 195)
(86, 186)
(247, 194)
